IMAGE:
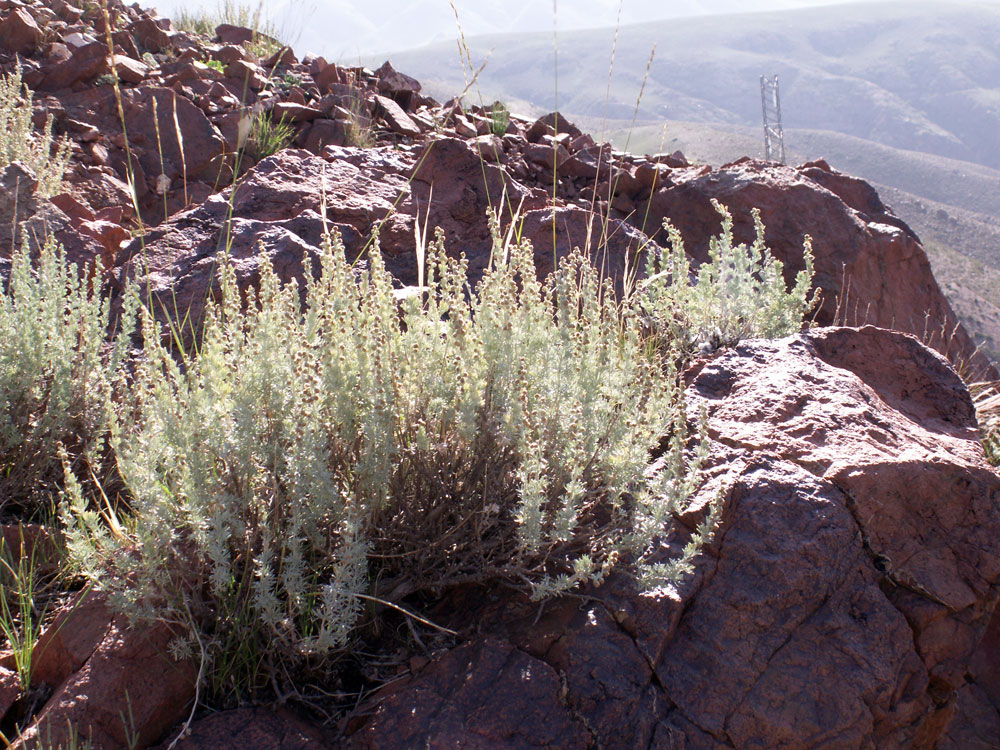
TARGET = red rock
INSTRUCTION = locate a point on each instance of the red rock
(19, 32)
(152, 34)
(589, 164)
(490, 147)
(68, 13)
(289, 112)
(401, 87)
(652, 176)
(481, 696)
(463, 127)
(125, 45)
(73, 207)
(247, 74)
(114, 672)
(229, 34)
(229, 53)
(550, 124)
(328, 76)
(395, 117)
(190, 71)
(246, 728)
(110, 235)
(870, 265)
(283, 56)
(69, 640)
(17, 200)
(57, 52)
(976, 724)
(76, 40)
(10, 689)
(87, 62)
(129, 70)
(545, 155)
(322, 133)
(202, 144)
(37, 545)
(614, 245)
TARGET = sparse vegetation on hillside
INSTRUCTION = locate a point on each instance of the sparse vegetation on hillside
(43, 154)
(327, 453)
(266, 39)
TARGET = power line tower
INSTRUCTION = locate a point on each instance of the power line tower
(770, 104)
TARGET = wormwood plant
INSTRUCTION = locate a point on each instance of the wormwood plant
(738, 293)
(45, 156)
(362, 447)
(56, 375)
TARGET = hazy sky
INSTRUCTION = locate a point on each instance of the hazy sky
(353, 29)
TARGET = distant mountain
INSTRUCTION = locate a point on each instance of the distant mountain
(922, 76)
(347, 29)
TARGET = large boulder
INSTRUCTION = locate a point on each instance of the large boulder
(853, 572)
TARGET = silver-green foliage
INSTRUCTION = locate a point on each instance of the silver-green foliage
(44, 155)
(738, 293)
(988, 411)
(372, 445)
(56, 374)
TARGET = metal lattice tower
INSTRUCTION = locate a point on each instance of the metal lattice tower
(774, 139)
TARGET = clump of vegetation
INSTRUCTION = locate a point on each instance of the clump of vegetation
(56, 376)
(268, 137)
(308, 461)
(499, 119)
(738, 293)
(359, 130)
(44, 155)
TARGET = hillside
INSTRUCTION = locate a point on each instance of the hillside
(920, 76)
(904, 95)
(342, 30)
(279, 470)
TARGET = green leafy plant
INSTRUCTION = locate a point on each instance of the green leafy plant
(369, 448)
(19, 622)
(268, 137)
(738, 293)
(216, 65)
(46, 156)
(360, 132)
(499, 119)
(56, 375)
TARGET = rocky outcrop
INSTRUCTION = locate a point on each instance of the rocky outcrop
(817, 619)
(848, 599)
